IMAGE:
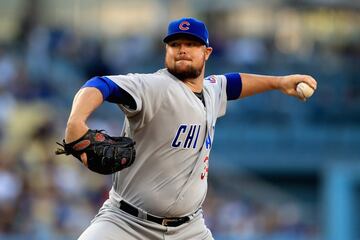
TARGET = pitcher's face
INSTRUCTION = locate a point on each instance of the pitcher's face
(185, 57)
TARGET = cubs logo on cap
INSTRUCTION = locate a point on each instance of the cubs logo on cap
(184, 25)
(188, 26)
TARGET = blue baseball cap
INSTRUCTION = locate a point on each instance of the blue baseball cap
(188, 26)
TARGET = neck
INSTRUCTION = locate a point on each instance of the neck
(195, 84)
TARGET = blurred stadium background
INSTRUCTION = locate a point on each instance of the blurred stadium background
(280, 169)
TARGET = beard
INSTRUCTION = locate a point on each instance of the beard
(189, 73)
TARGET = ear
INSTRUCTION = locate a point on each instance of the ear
(208, 52)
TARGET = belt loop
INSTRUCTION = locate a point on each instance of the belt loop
(116, 203)
(142, 213)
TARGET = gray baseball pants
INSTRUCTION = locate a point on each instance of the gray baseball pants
(111, 223)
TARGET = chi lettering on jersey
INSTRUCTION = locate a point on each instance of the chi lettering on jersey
(186, 136)
(208, 142)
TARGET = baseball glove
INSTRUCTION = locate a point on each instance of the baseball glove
(105, 154)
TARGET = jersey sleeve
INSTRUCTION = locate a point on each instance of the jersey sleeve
(218, 86)
(145, 91)
(226, 87)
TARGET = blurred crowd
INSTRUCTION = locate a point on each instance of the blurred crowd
(48, 197)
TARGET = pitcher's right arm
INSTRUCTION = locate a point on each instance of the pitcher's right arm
(85, 102)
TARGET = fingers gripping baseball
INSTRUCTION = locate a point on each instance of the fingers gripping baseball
(289, 85)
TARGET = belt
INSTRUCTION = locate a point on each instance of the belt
(168, 222)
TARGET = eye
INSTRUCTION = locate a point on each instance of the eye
(193, 44)
(174, 44)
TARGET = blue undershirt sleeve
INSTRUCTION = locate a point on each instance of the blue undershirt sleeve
(233, 86)
(110, 91)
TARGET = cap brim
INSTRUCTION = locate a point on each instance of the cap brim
(173, 36)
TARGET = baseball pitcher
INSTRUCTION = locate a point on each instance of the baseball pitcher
(160, 162)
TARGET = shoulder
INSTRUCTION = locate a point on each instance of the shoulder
(158, 76)
(215, 81)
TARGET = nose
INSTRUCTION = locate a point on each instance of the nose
(182, 49)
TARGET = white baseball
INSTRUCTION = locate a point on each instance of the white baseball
(304, 91)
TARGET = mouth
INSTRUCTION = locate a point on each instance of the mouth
(182, 59)
(183, 62)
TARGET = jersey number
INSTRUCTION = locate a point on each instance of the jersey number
(205, 172)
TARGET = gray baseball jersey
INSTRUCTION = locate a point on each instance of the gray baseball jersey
(173, 131)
